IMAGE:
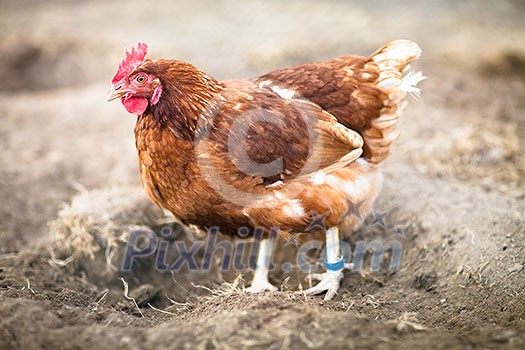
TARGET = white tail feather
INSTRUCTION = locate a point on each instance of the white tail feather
(410, 81)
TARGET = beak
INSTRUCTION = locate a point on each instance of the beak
(116, 92)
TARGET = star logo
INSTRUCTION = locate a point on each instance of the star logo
(399, 231)
(379, 219)
(353, 209)
(318, 220)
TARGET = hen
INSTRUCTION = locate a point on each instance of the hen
(294, 151)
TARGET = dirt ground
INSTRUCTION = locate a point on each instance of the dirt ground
(454, 193)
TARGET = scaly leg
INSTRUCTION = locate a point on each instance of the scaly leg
(334, 263)
(260, 281)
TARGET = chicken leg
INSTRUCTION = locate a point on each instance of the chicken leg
(334, 263)
(260, 280)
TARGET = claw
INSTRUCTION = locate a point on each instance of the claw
(329, 283)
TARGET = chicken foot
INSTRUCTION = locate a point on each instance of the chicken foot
(260, 282)
(334, 263)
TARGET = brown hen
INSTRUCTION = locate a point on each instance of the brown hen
(294, 151)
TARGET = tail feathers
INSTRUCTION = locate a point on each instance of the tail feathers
(396, 55)
(393, 61)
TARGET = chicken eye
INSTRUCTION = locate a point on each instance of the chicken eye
(140, 79)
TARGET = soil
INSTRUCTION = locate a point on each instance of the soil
(454, 193)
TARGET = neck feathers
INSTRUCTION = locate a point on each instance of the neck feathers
(187, 93)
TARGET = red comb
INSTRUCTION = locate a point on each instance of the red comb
(134, 57)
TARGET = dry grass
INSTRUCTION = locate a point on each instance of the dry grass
(96, 222)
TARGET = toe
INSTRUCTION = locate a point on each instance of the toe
(329, 283)
(261, 287)
(331, 293)
(314, 290)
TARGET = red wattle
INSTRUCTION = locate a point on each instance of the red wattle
(135, 105)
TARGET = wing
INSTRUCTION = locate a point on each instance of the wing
(344, 87)
(255, 139)
(366, 94)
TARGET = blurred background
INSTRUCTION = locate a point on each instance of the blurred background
(54, 43)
